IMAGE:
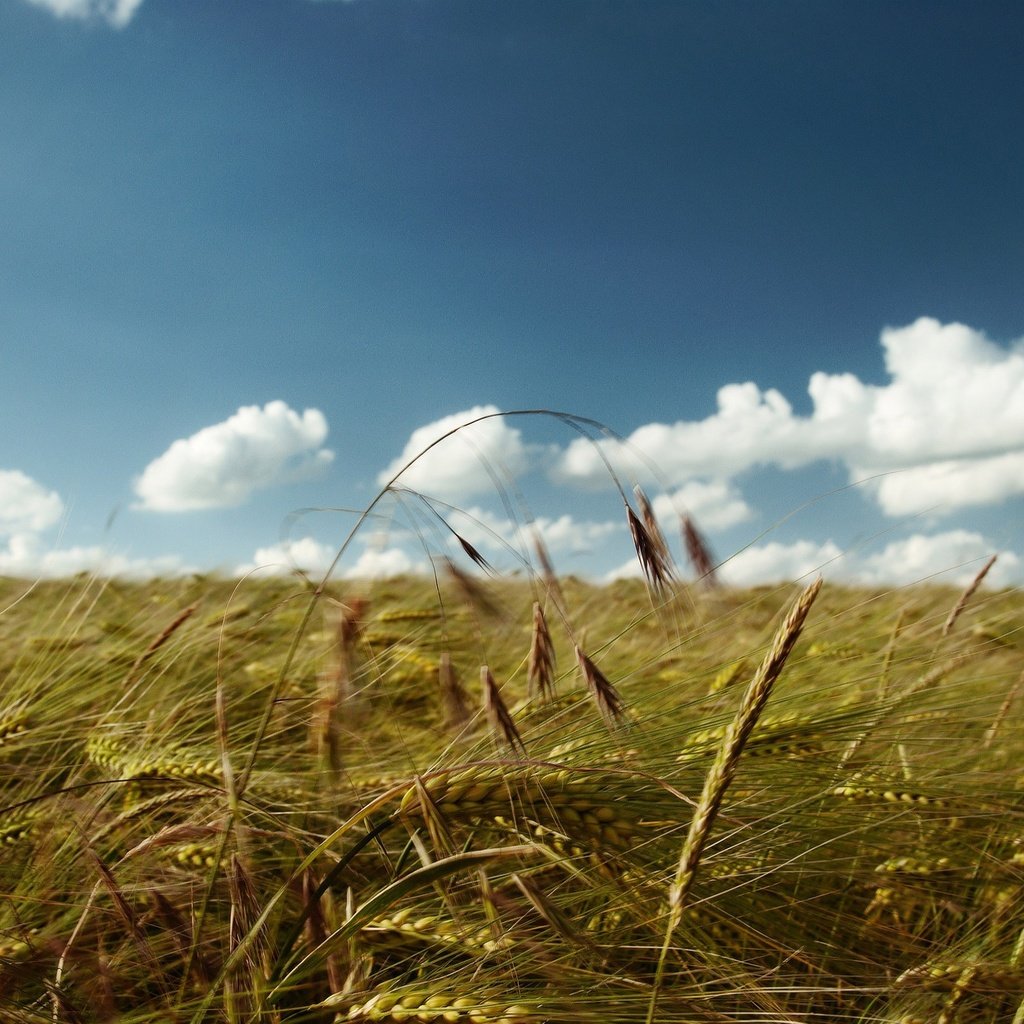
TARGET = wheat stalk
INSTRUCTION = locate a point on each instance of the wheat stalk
(723, 771)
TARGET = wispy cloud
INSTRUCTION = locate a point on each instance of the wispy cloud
(949, 425)
(221, 465)
(116, 13)
(25, 505)
(461, 465)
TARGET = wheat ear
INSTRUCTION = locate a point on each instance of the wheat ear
(723, 771)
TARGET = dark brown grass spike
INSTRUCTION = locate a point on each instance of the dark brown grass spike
(540, 669)
(475, 555)
(656, 570)
(699, 553)
(454, 700)
(604, 693)
(502, 725)
(653, 528)
(472, 590)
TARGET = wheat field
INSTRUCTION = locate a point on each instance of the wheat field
(527, 799)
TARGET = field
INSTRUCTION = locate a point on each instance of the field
(470, 800)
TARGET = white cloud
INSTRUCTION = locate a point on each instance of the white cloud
(305, 553)
(776, 562)
(951, 421)
(714, 505)
(379, 563)
(958, 483)
(563, 534)
(954, 556)
(26, 556)
(117, 13)
(457, 467)
(26, 506)
(28, 510)
(221, 465)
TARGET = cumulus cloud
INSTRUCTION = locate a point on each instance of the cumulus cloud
(954, 556)
(776, 562)
(562, 534)
(310, 555)
(459, 466)
(715, 504)
(26, 506)
(221, 465)
(116, 13)
(948, 428)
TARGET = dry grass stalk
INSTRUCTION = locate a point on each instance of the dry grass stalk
(1004, 710)
(246, 979)
(318, 928)
(967, 595)
(723, 771)
(657, 569)
(699, 553)
(604, 693)
(502, 725)
(162, 638)
(540, 669)
(177, 928)
(336, 687)
(127, 914)
(454, 700)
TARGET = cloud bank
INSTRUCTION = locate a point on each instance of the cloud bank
(948, 428)
(222, 465)
(28, 510)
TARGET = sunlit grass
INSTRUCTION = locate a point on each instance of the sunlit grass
(386, 860)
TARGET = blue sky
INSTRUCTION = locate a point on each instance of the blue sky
(255, 252)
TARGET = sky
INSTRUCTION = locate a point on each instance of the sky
(762, 260)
